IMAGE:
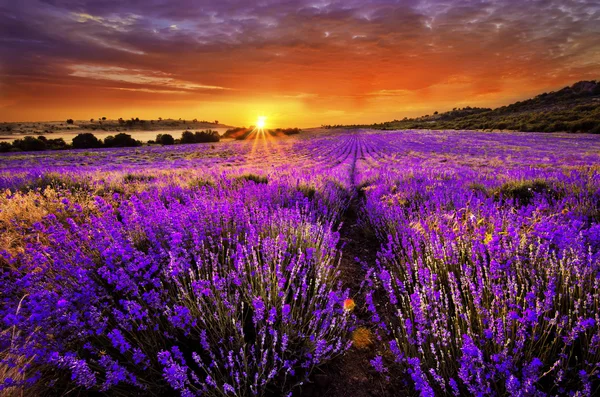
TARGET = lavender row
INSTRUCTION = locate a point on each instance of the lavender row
(489, 277)
(207, 283)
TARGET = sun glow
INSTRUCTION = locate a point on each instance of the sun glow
(261, 122)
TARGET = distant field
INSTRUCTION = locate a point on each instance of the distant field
(328, 262)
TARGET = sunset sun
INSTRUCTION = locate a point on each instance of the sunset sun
(261, 122)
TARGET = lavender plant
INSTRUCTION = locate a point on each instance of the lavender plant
(232, 292)
(214, 270)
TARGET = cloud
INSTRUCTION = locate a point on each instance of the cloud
(367, 52)
(136, 76)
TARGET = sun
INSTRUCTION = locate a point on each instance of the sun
(261, 122)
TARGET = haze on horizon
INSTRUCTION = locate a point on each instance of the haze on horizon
(299, 63)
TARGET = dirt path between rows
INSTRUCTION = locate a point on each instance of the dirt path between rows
(352, 375)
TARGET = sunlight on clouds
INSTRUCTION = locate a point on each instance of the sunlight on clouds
(121, 23)
(136, 76)
(150, 90)
(301, 95)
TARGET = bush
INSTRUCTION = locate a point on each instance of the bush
(165, 139)
(254, 178)
(5, 147)
(187, 137)
(86, 140)
(199, 137)
(523, 192)
(29, 144)
(121, 140)
(56, 144)
(206, 136)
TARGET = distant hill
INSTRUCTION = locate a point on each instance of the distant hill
(571, 109)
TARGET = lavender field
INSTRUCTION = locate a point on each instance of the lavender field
(451, 263)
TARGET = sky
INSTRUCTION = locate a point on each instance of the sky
(297, 62)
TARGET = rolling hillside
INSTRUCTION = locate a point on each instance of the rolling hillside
(571, 109)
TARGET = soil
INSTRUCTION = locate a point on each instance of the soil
(352, 375)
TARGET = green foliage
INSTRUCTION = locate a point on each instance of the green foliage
(288, 131)
(308, 191)
(133, 178)
(199, 136)
(29, 144)
(86, 141)
(165, 139)
(524, 191)
(32, 144)
(572, 109)
(121, 140)
(58, 181)
(254, 178)
(199, 183)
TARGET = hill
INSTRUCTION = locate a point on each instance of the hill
(571, 109)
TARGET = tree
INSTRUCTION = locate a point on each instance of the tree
(91, 120)
(69, 121)
(103, 118)
(56, 144)
(121, 140)
(165, 139)
(5, 147)
(206, 136)
(29, 144)
(188, 137)
(86, 140)
(216, 121)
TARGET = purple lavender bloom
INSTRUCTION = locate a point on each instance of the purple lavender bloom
(378, 364)
(118, 340)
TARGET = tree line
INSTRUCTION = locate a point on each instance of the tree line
(87, 140)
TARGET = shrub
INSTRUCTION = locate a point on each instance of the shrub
(132, 178)
(165, 139)
(57, 144)
(187, 137)
(5, 147)
(254, 178)
(199, 137)
(523, 191)
(121, 140)
(86, 140)
(207, 136)
(29, 143)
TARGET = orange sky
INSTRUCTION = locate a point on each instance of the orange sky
(299, 63)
